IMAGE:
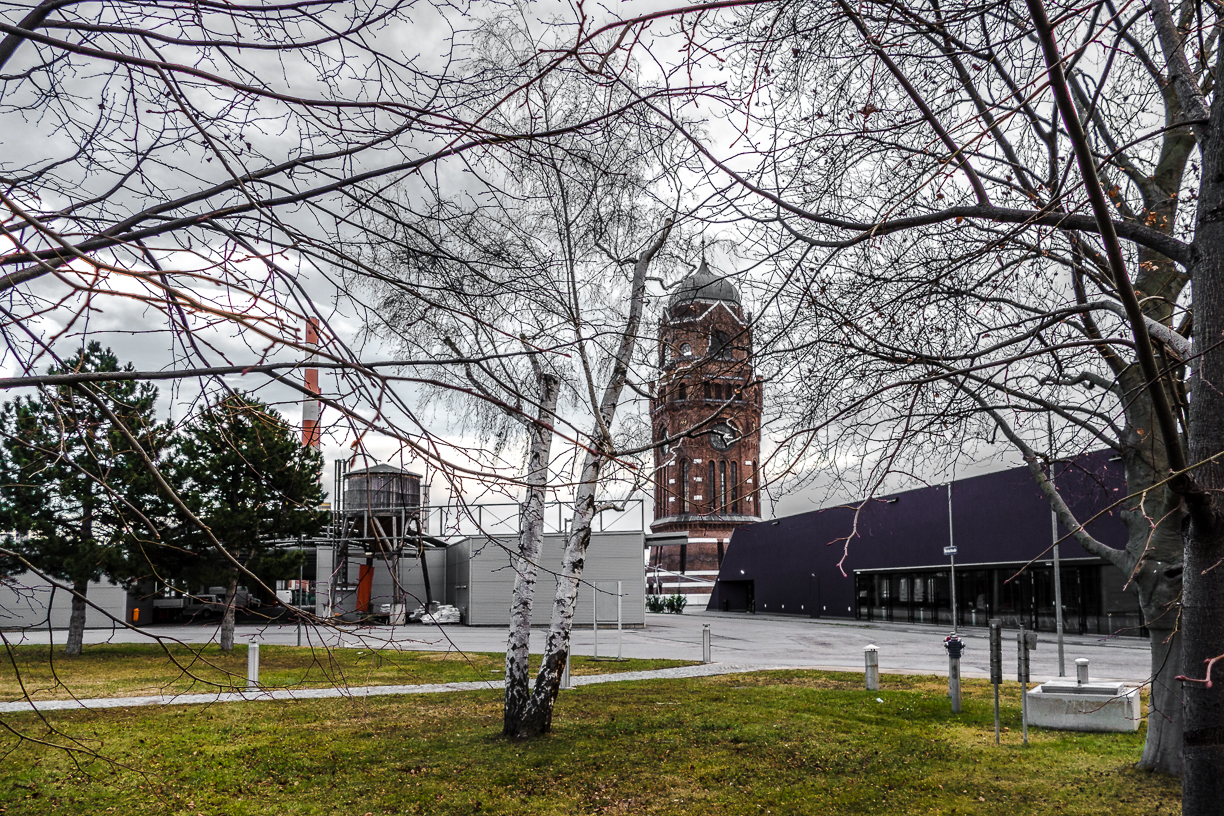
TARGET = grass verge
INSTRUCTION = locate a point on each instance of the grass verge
(128, 670)
(768, 743)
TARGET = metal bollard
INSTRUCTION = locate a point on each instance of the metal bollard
(565, 673)
(1081, 671)
(954, 646)
(996, 666)
(253, 665)
(705, 643)
(871, 660)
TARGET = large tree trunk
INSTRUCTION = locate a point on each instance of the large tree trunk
(1153, 566)
(526, 561)
(76, 621)
(1202, 623)
(1162, 751)
(227, 618)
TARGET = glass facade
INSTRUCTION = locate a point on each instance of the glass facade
(997, 591)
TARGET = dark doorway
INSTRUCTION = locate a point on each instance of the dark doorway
(738, 596)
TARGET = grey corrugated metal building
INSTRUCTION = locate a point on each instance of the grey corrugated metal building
(480, 579)
(27, 601)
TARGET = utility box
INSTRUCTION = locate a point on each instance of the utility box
(1071, 706)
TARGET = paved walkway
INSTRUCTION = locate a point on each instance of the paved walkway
(265, 695)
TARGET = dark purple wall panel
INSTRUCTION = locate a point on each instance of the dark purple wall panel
(1000, 517)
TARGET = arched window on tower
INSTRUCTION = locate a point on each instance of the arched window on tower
(712, 477)
(756, 490)
(684, 491)
(705, 387)
(722, 487)
(735, 488)
(660, 501)
(683, 391)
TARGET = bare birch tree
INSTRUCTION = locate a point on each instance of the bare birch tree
(530, 257)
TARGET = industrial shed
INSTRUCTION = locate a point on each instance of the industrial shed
(480, 579)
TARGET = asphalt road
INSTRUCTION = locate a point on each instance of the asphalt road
(736, 638)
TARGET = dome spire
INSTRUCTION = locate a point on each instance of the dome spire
(705, 286)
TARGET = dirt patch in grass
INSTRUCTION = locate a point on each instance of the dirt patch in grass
(767, 743)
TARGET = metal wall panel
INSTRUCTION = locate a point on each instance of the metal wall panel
(24, 602)
(613, 556)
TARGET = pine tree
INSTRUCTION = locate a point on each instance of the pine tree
(78, 501)
(241, 470)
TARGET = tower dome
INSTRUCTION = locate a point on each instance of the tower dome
(705, 286)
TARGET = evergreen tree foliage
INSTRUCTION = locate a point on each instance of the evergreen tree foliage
(77, 500)
(240, 468)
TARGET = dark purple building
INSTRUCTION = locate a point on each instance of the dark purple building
(895, 567)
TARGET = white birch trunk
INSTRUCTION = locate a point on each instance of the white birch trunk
(526, 561)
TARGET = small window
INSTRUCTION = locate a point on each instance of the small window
(686, 350)
(735, 488)
(683, 391)
(684, 491)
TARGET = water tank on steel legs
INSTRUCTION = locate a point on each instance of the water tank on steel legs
(380, 504)
(382, 487)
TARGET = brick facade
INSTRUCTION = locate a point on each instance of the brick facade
(706, 418)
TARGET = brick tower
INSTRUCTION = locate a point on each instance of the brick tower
(707, 402)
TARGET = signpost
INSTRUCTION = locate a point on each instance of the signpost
(950, 551)
(1024, 642)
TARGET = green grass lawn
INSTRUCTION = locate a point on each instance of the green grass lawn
(768, 743)
(126, 670)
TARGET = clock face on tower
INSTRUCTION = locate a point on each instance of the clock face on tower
(721, 436)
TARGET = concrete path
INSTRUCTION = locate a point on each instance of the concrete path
(265, 695)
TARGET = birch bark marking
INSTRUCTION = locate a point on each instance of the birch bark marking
(526, 561)
(538, 717)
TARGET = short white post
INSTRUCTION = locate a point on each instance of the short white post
(705, 643)
(253, 665)
(565, 673)
(1081, 671)
(871, 658)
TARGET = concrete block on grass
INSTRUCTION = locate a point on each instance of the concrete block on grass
(1071, 706)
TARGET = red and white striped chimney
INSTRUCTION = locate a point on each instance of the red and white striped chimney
(311, 435)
